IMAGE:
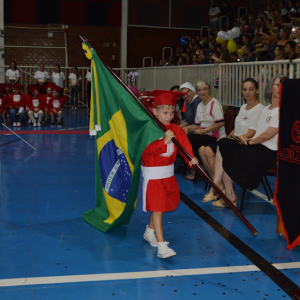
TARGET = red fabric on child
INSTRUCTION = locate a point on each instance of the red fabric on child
(163, 194)
(3, 104)
(35, 102)
(17, 100)
(57, 104)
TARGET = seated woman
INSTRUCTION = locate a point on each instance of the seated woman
(17, 104)
(209, 122)
(245, 162)
(244, 127)
(35, 104)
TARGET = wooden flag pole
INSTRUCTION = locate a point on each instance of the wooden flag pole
(178, 145)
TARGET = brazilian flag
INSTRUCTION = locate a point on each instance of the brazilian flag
(123, 130)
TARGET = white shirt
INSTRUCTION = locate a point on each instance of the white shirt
(12, 75)
(58, 79)
(73, 78)
(47, 98)
(209, 115)
(268, 118)
(88, 76)
(35, 103)
(214, 11)
(247, 119)
(41, 76)
(284, 12)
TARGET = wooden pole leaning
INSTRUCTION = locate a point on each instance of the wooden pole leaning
(177, 144)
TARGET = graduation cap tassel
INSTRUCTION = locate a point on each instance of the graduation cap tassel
(178, 145)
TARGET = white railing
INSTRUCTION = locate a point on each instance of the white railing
(228, 76)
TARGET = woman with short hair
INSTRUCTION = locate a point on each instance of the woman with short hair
(246, 161)
(209, 122)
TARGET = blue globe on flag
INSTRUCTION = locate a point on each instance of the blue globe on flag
(115, 172)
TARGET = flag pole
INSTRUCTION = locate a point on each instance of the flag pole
(177, 144)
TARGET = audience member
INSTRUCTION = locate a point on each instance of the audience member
(246, 39)
(214, 15)
(41, 76)
(279, 52)
(284, 11)
(181, 61)
(179, 104)
(289, 50)
(192, 100)
(209, 122)
(202, 58)
(248, 54)
(88, 78)
(248, 32)
(58, 77)
(12, 75)
(284, 35)
(255, 155)
(297, 50)
(244, 128)
(195, 60)
(74, 80)
(226, 12)
(252, 21)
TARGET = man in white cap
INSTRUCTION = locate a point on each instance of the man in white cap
(192, 101)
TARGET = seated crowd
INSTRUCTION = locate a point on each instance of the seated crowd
(268, 33)
(251, 144)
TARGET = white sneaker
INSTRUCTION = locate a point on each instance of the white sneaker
(19, 124)
(29, 121)
(34, 124)
(164, 251)
(150, 236)
(14, 123)
(39, 124)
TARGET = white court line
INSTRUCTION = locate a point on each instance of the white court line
(137, 275)
(262, 196)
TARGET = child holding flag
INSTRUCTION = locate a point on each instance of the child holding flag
(160, 189)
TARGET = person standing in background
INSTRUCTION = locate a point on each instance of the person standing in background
(41, 76)
(74, 80)
(12, 75)
(88, 78)
(214, 15)
(58, 77)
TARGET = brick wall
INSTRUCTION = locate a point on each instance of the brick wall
(144, 42)
(33, 38)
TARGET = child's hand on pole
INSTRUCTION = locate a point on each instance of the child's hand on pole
(194, 161)
(168, 136)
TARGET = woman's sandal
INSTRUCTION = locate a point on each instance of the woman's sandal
(222, 205)
(193, 174)
(210, 197)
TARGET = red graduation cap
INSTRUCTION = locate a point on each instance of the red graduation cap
(50, 85)
(17, 86)
(165, 97)
(31, 88)
(2, 87)
(7, 85)
(57, 88)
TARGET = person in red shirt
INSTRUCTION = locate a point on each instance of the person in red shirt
(48, 88)
(3, 103)
(55, 105)
(160, 188)
(35, 104)
(8, 89)
(16, 104)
